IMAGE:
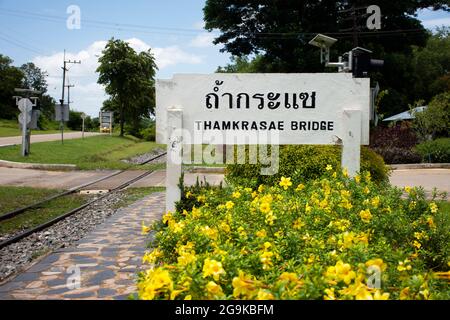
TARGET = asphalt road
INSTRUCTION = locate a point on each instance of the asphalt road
(8, 141)
(427, 178)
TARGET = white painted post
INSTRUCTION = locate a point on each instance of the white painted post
(174, 157)
(351, 141)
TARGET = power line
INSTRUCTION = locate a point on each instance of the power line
(17, 44)
(190, 32)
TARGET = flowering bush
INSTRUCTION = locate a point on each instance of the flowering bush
(303, 162)
(331, 238)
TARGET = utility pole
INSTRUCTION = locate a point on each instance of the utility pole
(63, 96)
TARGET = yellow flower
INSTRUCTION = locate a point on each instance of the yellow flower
(186, 258)
(377, 262)
(298, 224)
(145, 229)
(167, 217)
(229, 205)
(417, 244)
(261, 188)
(188, 297)
(430, 222)
(341, 272)
(404, 266)
(155, 281)
(201, 199)
(244, 286)
(404, 294)
(433, 207)
(214, 290)
(236, 195)
(285, 183)
(265, 207)
(329, 167)
(270, 218)
(375, 202)
(329, 294)
(365, 215)
(300, 187)
(408, 189)
(264, 295)
(261, 234)
(188, 195)
(211, 233)
(225, 227)
(213, 268)
(151, 257)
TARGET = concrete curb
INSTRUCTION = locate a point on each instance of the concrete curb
(37, 166)
(210, 170)
(420, 166)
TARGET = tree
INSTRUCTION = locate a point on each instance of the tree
(34, 77)
(279, 31)
(10, 78)
(432, 66)
(129, 79)
(434, 122)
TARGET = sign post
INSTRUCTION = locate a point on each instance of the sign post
(106, 122)
(26, 109)
(245, 109)
(174, 156)
(83, 117)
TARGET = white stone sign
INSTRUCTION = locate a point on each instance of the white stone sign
(251, 109)
(299, 108)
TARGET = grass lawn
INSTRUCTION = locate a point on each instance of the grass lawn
(15, 197)
(38, 216)
(12, 198)
(100, 152)
(10, 128)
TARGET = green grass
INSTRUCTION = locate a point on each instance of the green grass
(135, 194)
(100, 152)
(12, 198)
(17, 197)
(10, 128)
(444, 206)
(38, 216)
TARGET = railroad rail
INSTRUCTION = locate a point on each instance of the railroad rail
(48, 224)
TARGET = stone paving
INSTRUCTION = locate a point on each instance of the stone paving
(107, 261)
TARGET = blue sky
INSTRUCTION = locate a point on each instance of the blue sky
(36, 31)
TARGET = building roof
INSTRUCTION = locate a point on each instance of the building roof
(407, 115)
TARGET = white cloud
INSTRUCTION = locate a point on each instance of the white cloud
(88, 96)
(203, 40)
(433, 23)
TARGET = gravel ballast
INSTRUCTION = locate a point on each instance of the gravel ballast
(18, 256)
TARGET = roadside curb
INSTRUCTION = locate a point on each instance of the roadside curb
(420, 166)
(37, 166)
(211, 170)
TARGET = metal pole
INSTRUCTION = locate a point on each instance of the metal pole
(82, 129)
(61, 124)
(24, 133)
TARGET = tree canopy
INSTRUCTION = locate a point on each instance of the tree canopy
(129, 79)
(278, 32)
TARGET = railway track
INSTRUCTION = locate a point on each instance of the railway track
(120, 180)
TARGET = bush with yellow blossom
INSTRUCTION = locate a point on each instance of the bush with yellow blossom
(330, 238)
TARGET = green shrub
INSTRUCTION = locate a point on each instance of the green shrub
(303, 163)
(317, 240)
(437, 151)
(148, 134)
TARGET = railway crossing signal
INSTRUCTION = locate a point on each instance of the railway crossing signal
(28, 117)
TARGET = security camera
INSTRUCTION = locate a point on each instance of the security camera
(324, 43)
